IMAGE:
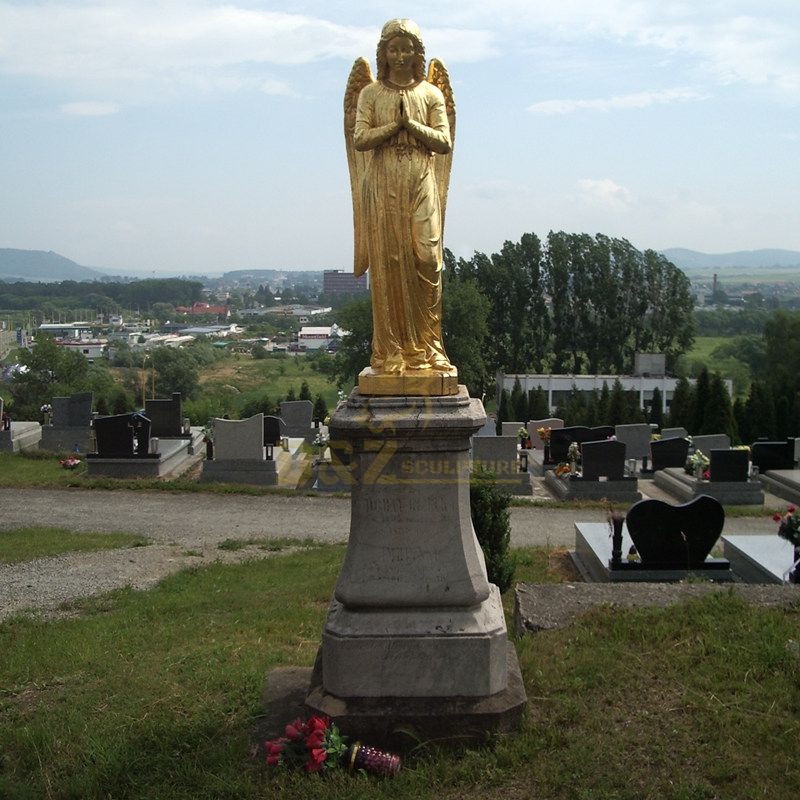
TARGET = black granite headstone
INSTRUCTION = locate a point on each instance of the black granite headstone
(561, 438)
(122, 436)
(772, 455)
(669, 453)
(675, 537)
(74, 411)
(274, 431)
(166, 416)
(604, 459)
(732, 466)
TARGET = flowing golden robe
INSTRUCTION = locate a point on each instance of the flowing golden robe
(403, 215)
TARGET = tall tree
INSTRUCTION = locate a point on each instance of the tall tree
(657, 409)
(465, 328)
(718, 415)
(702, 392)
(681, 408)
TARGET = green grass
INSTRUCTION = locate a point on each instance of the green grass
(271, 545)
(25, 544)
(704, 346)
(154, 695)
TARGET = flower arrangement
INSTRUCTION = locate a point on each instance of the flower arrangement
(522, 433)
(562, 469)
(321, 441)
(574, 452)
(544, 434)
(317, 745)
(789, 525)
(655, 437)
(697, 461)
(69, 463)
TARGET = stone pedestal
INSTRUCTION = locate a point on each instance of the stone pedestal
(413, 614)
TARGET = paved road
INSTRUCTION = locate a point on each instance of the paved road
(203, 520)
(186, 530)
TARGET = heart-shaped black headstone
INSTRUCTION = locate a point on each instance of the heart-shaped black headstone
(675, 537)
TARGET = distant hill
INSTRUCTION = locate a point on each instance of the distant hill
(749, 259)
(41, 266)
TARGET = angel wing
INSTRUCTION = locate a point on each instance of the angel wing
(440, 78)
(360, 76)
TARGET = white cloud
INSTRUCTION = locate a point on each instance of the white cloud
(605, 193)
(89, 108)
(126, 40)
(618, 102)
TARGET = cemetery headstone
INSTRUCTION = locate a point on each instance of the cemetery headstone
(636, 439)
(669, 453)
(511, 428)
(604, 459)
(274, 431)
(498, 455)
(561, 438)
(772, 455)
(708, 442)
(239, 440)
(489, 428)
(729, 465)
(535, 424)
(674, 433)
(296, 415)
(675, 537)
(74, 411)
(166, 417)
(122, 436)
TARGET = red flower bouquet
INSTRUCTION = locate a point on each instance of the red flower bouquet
(318, 745)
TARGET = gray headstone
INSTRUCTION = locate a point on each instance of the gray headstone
(166, 416)
(74, 411)
(535, 424)
(604, 459)
(239, 440)
(498, 454)
(674, 433)
(297, 415)
(636, 439)
(511, 428)
(489, 428)
(709, 442)
(729, 465)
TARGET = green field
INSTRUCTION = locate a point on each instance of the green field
(143, 695)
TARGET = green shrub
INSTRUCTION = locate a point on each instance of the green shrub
(492, 523)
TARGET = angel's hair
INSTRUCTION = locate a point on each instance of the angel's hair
(401, 27)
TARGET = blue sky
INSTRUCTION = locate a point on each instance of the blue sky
(189, 136)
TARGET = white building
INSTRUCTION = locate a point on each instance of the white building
(314, 337)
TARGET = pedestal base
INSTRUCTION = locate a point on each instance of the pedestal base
(402, 722)
(424, 383)
(406, 652)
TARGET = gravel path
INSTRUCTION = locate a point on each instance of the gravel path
(186, 529)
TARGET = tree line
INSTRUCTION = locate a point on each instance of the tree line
(98, 295)
(574, 303)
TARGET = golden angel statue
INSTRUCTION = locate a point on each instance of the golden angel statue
(399, 134)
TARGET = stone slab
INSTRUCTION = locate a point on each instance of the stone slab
(592, 555)
(758, 558)
(511, 428)
(543, 607)
(166, 417)
(499, 455)
(489, 428)
(66, 439)
(401, 723)
(240, 439)
(676, 482)
(174, 457)
(258, 473)
(674, 433)
(783, 483)
(415, 652)
(569, 488)
(21, 436)
(424, 384)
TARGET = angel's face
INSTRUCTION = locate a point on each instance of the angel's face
(400, 54)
